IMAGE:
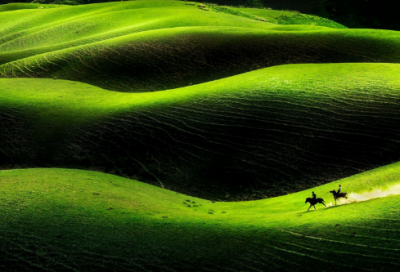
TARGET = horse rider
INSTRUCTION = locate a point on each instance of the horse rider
(314, 196)
(339, 190)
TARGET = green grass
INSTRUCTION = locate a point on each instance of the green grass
(168, 44)
(60, 219)
(278, 16)
(174, 94)
(107, 20)
(263, 133)
(20, 6)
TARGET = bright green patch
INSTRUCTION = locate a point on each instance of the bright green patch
(327, 115)
(19, 6)
(68, 214)
(126, 46)
(277, 16)
(54, 101)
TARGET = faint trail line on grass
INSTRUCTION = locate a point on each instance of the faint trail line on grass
(316, 258)
(391, 219)
(366, 236)
(359, 227)
(339, 242)
(274, 249)
(343, 252)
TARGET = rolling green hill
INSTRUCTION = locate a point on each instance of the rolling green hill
(282, 17)
(70, 220)
(210, 104)
(263, 133)
(142, 46)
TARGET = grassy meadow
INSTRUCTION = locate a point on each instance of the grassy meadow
(183, 136)
(61, 220)
(264, 133)
(170, 44)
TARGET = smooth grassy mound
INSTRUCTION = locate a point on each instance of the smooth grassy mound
(140, 46)
(21, 6)
(263, 133)
(61, 220)
(278, 16)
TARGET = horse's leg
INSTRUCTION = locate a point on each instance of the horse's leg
(309, 208)
(323, 204)
(314, 207)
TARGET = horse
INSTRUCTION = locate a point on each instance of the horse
(337, 196)
(314, 201)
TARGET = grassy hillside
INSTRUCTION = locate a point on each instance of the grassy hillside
(142, 46)
(61, 220)
(380, 14)
(182, 95)
(282, 17)
(263, 133)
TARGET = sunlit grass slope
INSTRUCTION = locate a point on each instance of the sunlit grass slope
(71, 220)
(263, 133)
(278, 16)
(20, 6)
(138, 46)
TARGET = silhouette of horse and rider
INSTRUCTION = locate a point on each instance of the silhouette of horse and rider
(314, 200)
(338, 194)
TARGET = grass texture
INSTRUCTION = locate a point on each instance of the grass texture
(264, 133)
(140, 46)
(278, 16)
(182, 95)
(73, 220)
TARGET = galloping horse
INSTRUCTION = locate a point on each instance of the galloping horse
(337, 196)
(314, 201)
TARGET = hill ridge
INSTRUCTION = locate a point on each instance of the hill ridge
(131, 215)
(278, 129)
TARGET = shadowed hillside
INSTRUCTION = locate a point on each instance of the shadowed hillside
(259, 134)
(61, 220)
(210, 104)
(144, 46)
(158, 45)
(381, 14)
(183, 57)
(264, 133)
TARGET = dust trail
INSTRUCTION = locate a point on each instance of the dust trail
(376, 193)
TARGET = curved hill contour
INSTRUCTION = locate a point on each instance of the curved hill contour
(61, 220)
(140, 46)
(223, 104)
(263, 133)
